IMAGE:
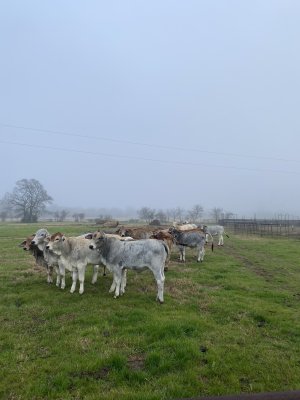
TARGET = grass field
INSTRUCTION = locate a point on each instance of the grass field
(229, 325)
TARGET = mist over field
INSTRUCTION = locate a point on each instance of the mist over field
(123, 105)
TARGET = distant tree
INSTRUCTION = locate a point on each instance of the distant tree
(195, 214)
(179, 213)
(6, 208)
(78, 217)
(29, 199)
(3, 215)
(81, 216)
(161, 216)
(216, 213)
(63, 215)
(146, 214)
(176, 214)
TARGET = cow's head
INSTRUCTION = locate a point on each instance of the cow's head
(97, 238)
(55, 242)
(26, 244)
(40, 236)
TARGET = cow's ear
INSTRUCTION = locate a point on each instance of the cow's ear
(22, 244)
(88, 236)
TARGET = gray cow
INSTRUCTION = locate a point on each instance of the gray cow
(215, 230)
(192, 239)
(136, 255)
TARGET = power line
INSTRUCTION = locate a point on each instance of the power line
(157, 146)
(174, 162)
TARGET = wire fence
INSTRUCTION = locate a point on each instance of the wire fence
(263, 227)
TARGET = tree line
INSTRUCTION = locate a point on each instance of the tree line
(28, 201)
(195, 214)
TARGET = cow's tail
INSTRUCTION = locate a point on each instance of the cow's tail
(212, 246)
(226, 234)
(166, 247)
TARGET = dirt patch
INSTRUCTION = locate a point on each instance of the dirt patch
(136, 362)
(97, 375)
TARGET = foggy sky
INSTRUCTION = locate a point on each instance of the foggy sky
(153, 103)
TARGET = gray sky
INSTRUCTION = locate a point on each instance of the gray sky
(153, 103)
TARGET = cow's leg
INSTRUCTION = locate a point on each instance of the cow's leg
(201, 254)
(49, 274)
(221, 240)
(62, 272)
(123, 281)
(58, 276)
(183, 253)
(81, 276)
(118, 280)
(104, 270)
(160, 279)
(113, 285)
(206, 238)
(74, 279)
(95, 274)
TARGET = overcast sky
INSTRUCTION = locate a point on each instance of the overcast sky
(159, 103)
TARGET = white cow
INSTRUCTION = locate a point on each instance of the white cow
(74, 254)
(215, 230)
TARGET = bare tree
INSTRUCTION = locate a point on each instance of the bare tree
(161, 216)
(63, 215)
(29, 199)
(216, 213)
(146, 213)
(78, 217)
(195, 213)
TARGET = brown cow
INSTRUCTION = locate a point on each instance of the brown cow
(136, 233)
(166, 236)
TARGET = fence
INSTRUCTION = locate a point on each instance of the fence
(263, 227)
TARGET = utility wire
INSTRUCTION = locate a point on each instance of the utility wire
(175, 162)
(157, 146)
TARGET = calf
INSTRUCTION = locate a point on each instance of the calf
(36, 252)
(41, 240)
(192, 239)
(135, 233)
(184, 227)
(74, 254)
(137, 255)
(215, 230)
(167, 237)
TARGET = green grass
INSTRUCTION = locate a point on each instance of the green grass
(229, 325)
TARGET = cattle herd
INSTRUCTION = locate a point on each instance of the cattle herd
(127, 248)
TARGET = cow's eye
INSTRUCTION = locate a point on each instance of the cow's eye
(57, 239)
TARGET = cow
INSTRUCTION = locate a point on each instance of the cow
(36, 252)
(135, 233)
(41, 240)
(167, 237)
(215, 230)
(74, 254)
(136, 255)
(193, 239)
(184, 227)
